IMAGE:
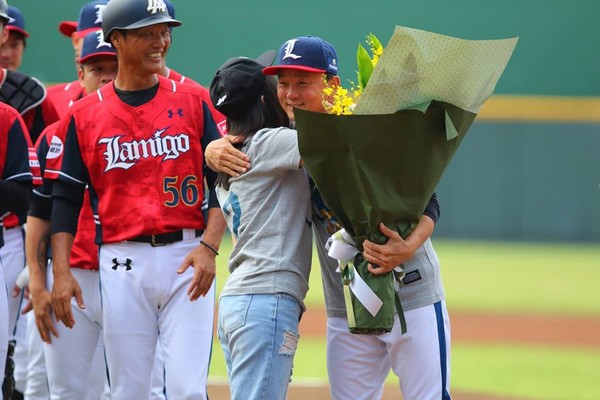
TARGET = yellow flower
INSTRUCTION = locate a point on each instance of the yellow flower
(341, 101)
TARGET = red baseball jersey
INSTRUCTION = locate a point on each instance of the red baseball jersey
(217, 116)
(38, 118)
(84, 253)
(63, 95)
(35, 120)
(18, 161)
(144, 165)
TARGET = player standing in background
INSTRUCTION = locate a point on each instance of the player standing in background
(421, 357)
(11, 52)
(30, 369)
(24, 93)
(74, 357)
(13, 91)
(16, 162)
(63, 95)
(11, 56)
(147, 201)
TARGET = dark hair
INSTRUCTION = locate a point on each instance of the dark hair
(265, 112)
(19, 36)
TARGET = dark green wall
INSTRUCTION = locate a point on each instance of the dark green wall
(558, 51)
(524, 181)
(508, 180)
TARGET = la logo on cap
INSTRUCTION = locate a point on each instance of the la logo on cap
(99, 10)
(155, 6)
(289, 48)
(100, 38)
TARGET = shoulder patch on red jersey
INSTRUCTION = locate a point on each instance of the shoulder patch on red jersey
(56, 148)
(222, 127)
(34, 165)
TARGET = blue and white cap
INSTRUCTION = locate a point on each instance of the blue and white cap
(305, 53)
(89, 20)
(16, 21)
(94, 46)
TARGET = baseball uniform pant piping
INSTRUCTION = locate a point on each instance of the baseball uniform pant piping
(420, 357)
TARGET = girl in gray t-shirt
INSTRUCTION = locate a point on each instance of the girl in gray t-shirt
(268, 211)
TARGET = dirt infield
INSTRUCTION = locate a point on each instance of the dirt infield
(466, 327)
(519, 328)
(295, 392)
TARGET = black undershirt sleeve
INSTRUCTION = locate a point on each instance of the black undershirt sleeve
(67, 200)
(41, 207)
(433, 209)
(15, 196)
(213, 202)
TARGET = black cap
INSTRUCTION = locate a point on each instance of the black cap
(239, 82)
(134, 14)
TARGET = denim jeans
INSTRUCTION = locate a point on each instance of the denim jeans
(259, 336)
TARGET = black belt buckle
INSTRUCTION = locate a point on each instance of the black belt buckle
(154, 243)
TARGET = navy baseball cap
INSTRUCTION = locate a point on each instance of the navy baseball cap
(94, 46)
(305, 53)
(239, 82)
(16, 22)
(170, 8)
(90, 20)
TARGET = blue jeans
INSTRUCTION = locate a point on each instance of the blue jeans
(259, 336)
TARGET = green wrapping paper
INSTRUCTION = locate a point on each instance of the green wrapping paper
(379, 168)
(381, 164)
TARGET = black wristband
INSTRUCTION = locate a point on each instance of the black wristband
(210, 247)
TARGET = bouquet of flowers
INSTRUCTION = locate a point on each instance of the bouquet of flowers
(381, 151)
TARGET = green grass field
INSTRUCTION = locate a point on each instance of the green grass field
(495, 277)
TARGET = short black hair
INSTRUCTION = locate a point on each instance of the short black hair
(20, 36)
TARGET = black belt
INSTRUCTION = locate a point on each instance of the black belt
(163, 238)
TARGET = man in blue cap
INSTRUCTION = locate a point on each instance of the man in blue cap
(11, 52)
(90, 20)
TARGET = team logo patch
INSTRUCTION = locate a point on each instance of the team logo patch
(56, 148)
(222, 127)
(126, 264)
(179, 112)
(411, 277)
(221, 100)
(124, 155)
(100, 39)
(289, 50)
(333, 64)
(99, 10)
(155, 6)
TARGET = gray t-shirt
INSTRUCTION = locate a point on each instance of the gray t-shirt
(422, 283)
(268, 211)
